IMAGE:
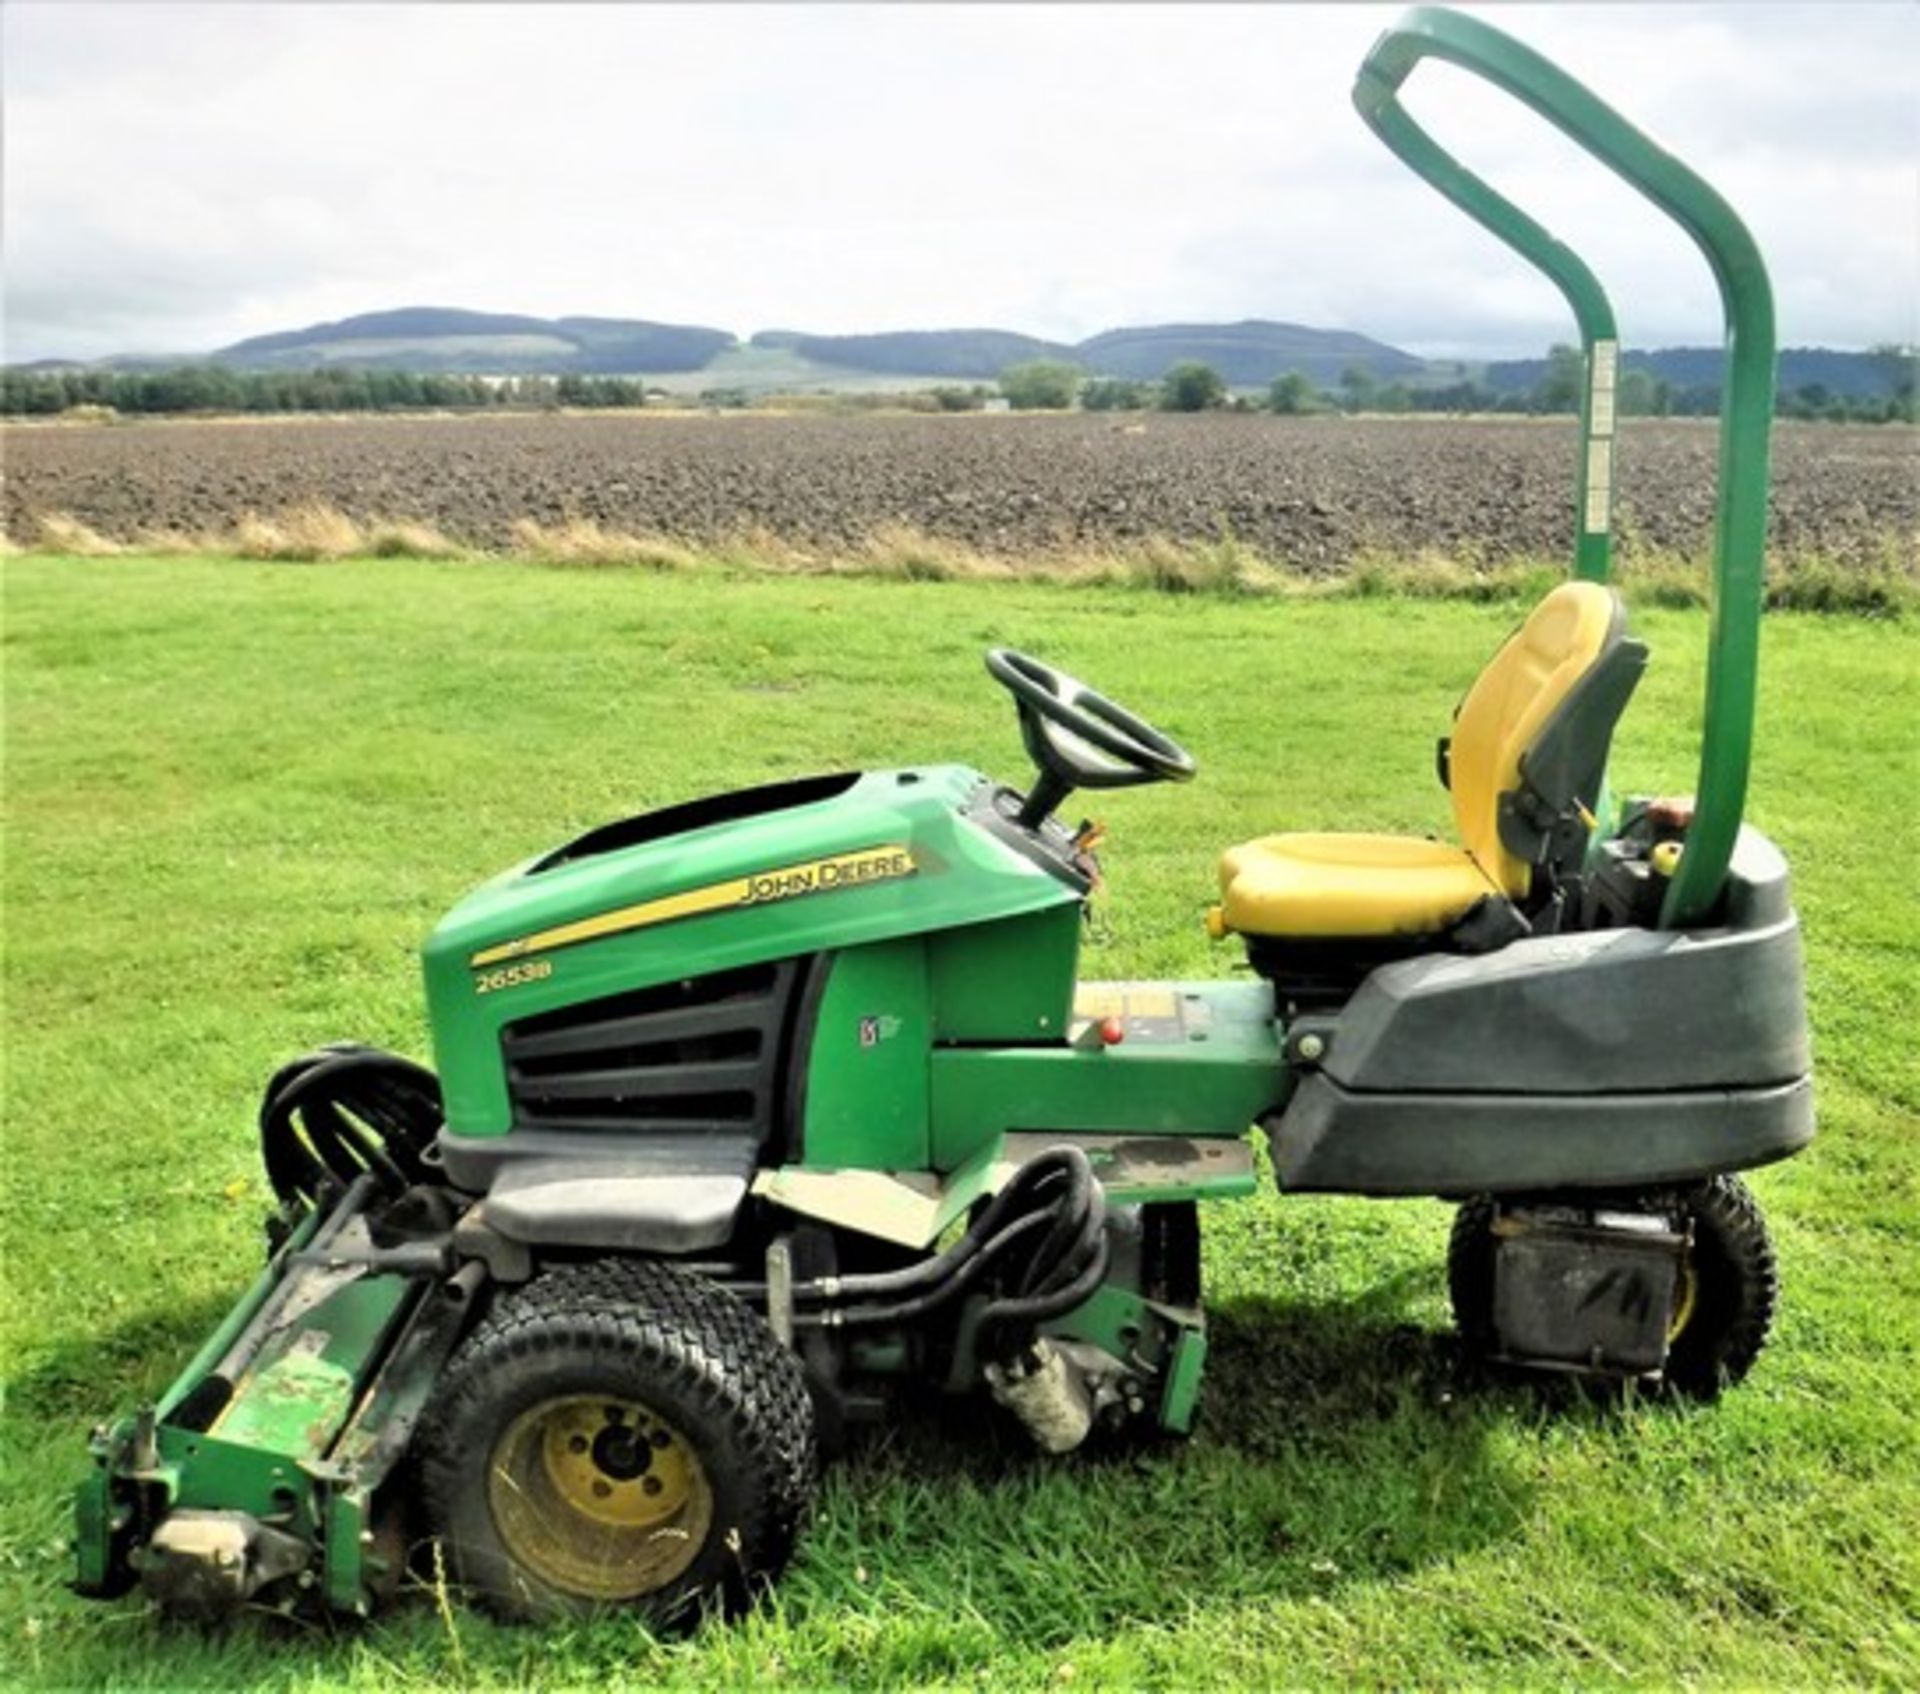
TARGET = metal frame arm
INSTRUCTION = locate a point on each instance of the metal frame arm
(1746, 414)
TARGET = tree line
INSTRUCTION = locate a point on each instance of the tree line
(1054, 385)
(216, 388)
(1031, 385)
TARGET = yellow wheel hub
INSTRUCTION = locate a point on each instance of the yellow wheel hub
(1686, 1295)
(598, 1496)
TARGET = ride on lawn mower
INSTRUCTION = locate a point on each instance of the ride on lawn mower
(751, 1110)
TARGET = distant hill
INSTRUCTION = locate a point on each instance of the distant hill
(974, 355)
(1854, 375)
(441, 338)
(1249, 354)
(691, 358)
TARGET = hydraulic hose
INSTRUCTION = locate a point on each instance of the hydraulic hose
(1079, 1220)
(1043, 1234)
(1070, 1265)
(1025, 1183)
(1007, 1326)
(940, 1294)
(345, 1111)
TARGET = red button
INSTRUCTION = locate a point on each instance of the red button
(1112, 1032)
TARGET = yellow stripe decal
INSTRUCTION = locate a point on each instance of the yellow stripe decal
(815, 876)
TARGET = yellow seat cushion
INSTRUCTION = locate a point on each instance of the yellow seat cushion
(1347, 885)
(1360, 885)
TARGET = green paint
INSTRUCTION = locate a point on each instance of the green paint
(292, 1406)
(1746, 415)
(215, 1347)
(965, 875)
(94, 1516)
(965, 1184)
(300, 1388)
(1169, 1342)
(1006, 981)
(1215, 1084)
(1116, 1319)
(287, 1411)
(866, 1096)
(1375, 96)
(880, 1355)
(1181, 1396)
(343, 1555)
(215, 1475)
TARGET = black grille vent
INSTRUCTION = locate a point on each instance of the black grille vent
(697, 1054)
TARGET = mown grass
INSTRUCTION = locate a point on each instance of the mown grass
(239, 793)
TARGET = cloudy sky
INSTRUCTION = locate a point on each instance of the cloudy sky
(177, 177)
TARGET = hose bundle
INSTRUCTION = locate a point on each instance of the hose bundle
(1043, 1237)
(336, 1114)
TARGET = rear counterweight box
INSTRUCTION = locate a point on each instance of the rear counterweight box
(1585, 1296)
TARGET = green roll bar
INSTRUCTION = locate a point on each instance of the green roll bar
(1746, 410)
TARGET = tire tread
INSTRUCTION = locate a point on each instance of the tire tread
(708, 1350)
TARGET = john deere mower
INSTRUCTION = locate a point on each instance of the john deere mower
(753, 1111)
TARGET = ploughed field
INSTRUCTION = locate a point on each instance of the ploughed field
(1310, 493)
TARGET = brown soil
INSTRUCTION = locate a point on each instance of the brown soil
(1310, 493)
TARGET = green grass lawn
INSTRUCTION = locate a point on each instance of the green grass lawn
(239, 794)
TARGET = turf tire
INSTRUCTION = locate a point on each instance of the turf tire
(1470, 1275)
(650, 1331)
(1736, 1285)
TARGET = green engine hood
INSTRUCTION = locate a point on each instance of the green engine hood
(715, 885)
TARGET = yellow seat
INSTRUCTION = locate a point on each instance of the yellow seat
(1318, 886)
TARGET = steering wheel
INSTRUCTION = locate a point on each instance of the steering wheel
(1078, 737)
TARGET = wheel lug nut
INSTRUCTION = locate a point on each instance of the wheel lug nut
(578, 1444)
(650, 1484)
(602, 1489)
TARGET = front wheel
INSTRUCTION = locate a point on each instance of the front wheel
(621, 1433)
(1723, 1304)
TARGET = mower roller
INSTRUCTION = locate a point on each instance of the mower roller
(753, 1111)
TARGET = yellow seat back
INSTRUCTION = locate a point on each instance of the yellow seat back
(1506, 710)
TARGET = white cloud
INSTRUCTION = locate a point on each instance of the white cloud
(179, 176)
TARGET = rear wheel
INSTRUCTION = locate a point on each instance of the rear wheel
(1723, 1304)
(620, 1433)
(1470, 1275)
(1729, 1283)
